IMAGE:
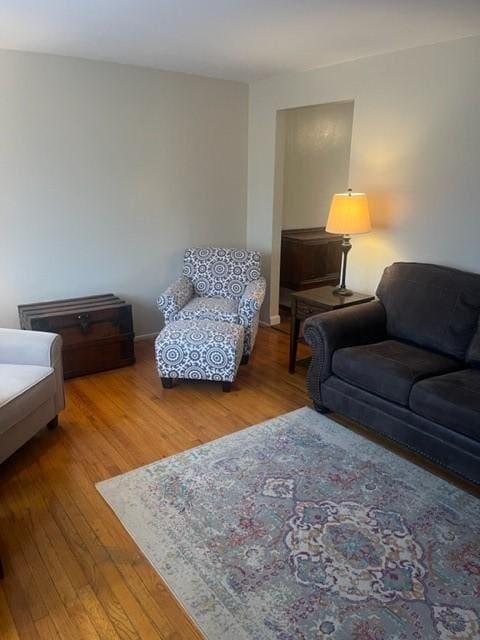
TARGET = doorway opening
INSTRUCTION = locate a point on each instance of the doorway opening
(312, 163)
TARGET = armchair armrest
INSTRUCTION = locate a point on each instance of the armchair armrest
(251, 302)
(175, 297)
(29, 347)
(35, 348)
(327, 332)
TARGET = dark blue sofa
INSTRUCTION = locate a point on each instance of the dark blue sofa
(408, 364)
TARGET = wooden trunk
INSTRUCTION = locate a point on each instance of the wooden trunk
(97, 331)
(309, 258)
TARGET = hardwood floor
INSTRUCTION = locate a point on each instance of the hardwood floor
(71, 571)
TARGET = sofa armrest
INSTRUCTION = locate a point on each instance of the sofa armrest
(175, 297)
(251, 302)
(34, 348)
(327, 332)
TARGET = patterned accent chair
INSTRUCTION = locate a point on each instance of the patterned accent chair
(218, 284)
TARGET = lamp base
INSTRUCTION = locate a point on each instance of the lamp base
(342, 291)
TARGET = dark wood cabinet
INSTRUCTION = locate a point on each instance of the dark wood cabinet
(97, 331)
(309, 258)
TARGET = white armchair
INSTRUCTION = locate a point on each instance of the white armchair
(218, 284)
(31, 385)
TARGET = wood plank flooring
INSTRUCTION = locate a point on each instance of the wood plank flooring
(71, 569)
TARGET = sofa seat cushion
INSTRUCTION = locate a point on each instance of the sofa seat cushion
(23, 388)
(389, 368)
(203, 308)
(452, 400)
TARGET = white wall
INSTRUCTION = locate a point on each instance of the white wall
(107, 172)
(317, 160)
(415, 151)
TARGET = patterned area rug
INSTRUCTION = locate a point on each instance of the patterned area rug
(298, 528)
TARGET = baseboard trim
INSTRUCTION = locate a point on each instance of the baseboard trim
(273, 320)
(146, 336)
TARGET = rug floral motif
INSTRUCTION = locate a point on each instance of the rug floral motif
(300, 529)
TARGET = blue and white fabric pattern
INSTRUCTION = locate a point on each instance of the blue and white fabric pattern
(175, 298)
(219, 284)
(251, 301)
(222, 309)
(250, 335)
(220, 272)
(199, 350)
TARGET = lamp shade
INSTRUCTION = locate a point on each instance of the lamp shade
(349, 214)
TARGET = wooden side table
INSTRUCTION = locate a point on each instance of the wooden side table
(312, 301)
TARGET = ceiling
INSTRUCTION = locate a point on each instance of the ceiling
(235, 39)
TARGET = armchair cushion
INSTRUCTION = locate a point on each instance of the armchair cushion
(175, 297)
(31, 385)
(23, 388)
(221, 272)
(390, 368)
(200, 308)
(37, 348)
(252, 300)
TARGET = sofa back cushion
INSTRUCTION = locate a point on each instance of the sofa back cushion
(432, 306)
(221, 272)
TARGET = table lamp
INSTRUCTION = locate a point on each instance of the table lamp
(348, 215)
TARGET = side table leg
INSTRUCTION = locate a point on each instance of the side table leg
(294, 331)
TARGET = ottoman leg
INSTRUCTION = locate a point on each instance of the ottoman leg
(167, 383)
(226, 386)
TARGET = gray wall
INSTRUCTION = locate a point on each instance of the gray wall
(107, 172)
(415, 152)
(317, 161)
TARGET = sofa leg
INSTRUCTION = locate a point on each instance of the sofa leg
(245, 358)
(320, 408)
(167, 383)
(226, 386)
(53, 423)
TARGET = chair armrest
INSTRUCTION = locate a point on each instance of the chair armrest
(35, 348)
(251, 302)
(175, 297)
(29, 347)
(327, 332)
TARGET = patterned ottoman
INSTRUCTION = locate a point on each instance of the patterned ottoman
(199, 350)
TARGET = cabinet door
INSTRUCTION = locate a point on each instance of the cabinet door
(291, 265)
(309, 258)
